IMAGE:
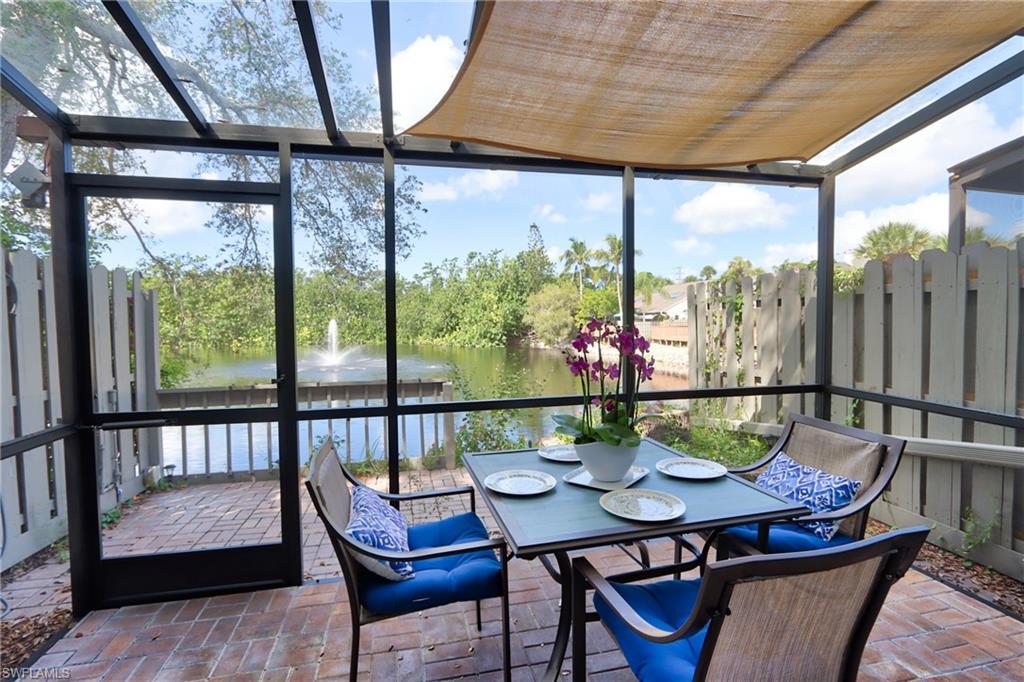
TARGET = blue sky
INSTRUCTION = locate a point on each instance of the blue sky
(681, 225)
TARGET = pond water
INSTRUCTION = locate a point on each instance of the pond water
(477, 373)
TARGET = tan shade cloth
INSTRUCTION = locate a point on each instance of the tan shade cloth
(701, 83)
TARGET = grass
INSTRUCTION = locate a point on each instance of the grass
(719, 444)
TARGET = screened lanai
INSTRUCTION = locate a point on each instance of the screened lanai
(221, 256)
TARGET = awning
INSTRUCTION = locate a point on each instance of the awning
(701, 82)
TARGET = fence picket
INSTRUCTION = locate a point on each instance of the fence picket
(54, 410)
(731, 361)
(789, 338)
(873, 365)
(810, 305)
(948, 279)
(747, 289)
(988, 340)
(768, 338)
(36, 502)
(907, 358)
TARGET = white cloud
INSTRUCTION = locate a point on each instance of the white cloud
(438, 191)
(692, 246)
(547, 212)
(421, 74)
(776, 254)
(555, 253)
(919, 162)
(165, 218)
(729, 208)
(929, 212)
(599, 201)
(488, 184)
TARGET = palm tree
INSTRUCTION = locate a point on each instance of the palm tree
(576, 260)
(895, 238)
(611, 258)
(648, 284)
(978, 234)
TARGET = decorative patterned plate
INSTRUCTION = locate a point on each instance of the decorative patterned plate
(643, 505)
(580, 476)
(560, 453)
(520, 482)
(690, 467)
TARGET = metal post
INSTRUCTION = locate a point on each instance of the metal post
(826, 286)
(287, 397)
(391, 317)
(628, 258)
(71, 302)
(957, 215)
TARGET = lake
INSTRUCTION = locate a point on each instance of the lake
(478, 373)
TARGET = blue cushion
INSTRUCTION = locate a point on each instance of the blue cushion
(787, 537)
(666, 605)
(817, 490)
(376, 523)
(458, 577)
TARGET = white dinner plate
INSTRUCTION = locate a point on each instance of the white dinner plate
(560, 453)
(692, 468)
(520, 482)
(638, 504)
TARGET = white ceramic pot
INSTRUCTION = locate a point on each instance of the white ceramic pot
(606, 462)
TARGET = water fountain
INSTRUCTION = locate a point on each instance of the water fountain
(332, 340)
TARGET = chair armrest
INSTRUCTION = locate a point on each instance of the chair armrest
(584, 570)
(427, 494)
(426, 553)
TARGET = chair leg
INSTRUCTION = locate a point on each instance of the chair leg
(506, 635)
(353, 670)
(479, 625)
(579, 626)
(677, 557)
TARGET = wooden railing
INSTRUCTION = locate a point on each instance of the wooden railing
(260, 460)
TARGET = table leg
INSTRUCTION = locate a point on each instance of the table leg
(563, 576)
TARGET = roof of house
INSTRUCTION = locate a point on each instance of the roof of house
(668, 296)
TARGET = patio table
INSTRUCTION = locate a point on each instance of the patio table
(569, 517)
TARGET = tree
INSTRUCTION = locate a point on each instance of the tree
(737, 269)
(895, 238)
(238, 60)
(979, 234)
(611, 258)
(550, 312)
(534, 261)
(647, 284)
(599, 303)
(707, 272)
(576, 260)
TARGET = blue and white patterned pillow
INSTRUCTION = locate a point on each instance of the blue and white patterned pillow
(817, 490)
(374, 522)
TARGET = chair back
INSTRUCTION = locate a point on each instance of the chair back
(799, 616)
(844, 451)
(333, 503)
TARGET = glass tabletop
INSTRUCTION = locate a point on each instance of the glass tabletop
(570, 517)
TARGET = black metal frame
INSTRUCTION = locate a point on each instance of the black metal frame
(67, 194)
(897, 550)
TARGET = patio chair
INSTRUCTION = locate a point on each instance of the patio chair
(453, 559)
(837, 449)
(795, 616)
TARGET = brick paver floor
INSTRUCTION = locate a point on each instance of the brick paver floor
(926, 629)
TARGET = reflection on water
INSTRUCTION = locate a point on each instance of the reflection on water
(482, 372)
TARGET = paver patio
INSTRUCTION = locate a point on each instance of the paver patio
(926, 630)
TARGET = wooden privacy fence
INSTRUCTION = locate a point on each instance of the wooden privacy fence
(123, 319)
(945, 328)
